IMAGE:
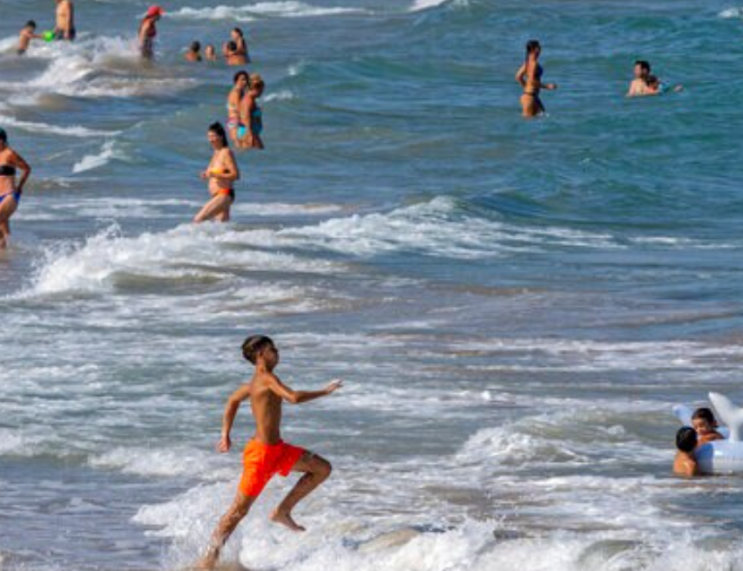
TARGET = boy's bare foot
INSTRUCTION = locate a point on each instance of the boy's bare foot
(285, 518)
(209, 561)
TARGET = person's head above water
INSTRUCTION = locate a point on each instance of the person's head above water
(260, 347)
(230, 47)
(217, 136)
(241, 79)
(686, 439)
(256, 84)
(237, 33)
(155, 12)
(703, 420)
(195, 47)
(30, 24)
(533, 48)
(642, 69)
(3, 139)
(210, 51)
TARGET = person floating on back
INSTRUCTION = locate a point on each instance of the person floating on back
(685, 464)
(705, 424)
(529, 76)
(193, 53)
(28, 33)
(266, 454)
(64, 28)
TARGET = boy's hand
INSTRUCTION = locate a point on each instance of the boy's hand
(224, 444)
(333, 386)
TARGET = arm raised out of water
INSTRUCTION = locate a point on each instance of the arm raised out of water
(298, 397)
(230, 411)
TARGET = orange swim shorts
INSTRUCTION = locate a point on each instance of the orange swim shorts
(262, 461)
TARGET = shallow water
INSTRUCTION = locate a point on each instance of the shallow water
(515, 306)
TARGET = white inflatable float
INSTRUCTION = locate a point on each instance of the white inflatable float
(720, 456)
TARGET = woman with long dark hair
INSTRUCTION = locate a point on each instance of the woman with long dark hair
(221, 175)
(240, 84)
(529, 76)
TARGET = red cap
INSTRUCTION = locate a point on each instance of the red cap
(155, 11)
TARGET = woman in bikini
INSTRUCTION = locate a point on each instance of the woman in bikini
(221, 173)
(529, 76)
(148, 32)
(10, 192)
(236, 95)
(241, 47)
(251, 115)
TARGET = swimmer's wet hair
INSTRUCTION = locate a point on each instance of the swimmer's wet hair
(686, 439)
(256, 81)
(3, 135)
(195, 46)
(219, 131)
(232, 46)
(643, 64)
(255, 345)
(31, 24)
(240, 74)
(239, 32)
(532, 46)
(704, 413)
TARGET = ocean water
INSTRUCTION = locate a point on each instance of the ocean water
(514, 305)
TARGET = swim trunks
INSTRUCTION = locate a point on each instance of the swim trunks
(262, 461)
(227, 192)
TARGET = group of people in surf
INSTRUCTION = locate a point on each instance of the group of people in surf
(234, 50)
(529, 76)
(703, 430)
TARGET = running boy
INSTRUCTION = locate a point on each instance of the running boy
(266, 454)
(705, 424)
(685, 464)
(27, 34)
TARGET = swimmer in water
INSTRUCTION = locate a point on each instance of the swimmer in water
(234, 99)
(27, 34)
(221, 173)
(640, 85)
(251, 115)
(64, 28)
(685, 464)
(231, 55)
(210, 54)
(10, 192)
(194, 52)
(148, 32)
(266, 454)
(529, 76)
(241, 47)
(705, 424)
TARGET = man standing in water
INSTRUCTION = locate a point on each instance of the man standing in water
(266, 454)
(65, 26)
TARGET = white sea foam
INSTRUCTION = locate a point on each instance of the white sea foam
(248, 13)
(44, 129)
(730, 13)
(90, 162)
(419, 5)
(163, 463)
(283, 95)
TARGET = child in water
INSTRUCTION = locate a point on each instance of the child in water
(210, 53)
(705, 424)
(685, 464)
(194, 52)
(266, 454)
(27, 34)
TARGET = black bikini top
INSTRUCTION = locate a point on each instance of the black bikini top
(7, 170)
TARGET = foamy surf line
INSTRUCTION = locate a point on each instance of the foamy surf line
(43, 128)
(249, 13)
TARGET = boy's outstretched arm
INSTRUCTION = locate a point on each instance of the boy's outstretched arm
(298, 397)
(230, 411)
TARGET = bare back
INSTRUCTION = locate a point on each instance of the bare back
(266, 406)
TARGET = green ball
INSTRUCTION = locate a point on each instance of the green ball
(49, 36)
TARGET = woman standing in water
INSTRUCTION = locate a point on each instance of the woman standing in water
(10, 193)
(221, 173)
(251, 115)
(529, 76)
(238, 37)
(148, 32)
(236, 95)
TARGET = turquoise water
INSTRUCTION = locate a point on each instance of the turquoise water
(514, 305)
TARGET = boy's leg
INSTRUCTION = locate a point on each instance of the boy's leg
(316, 470)
(238, 510)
